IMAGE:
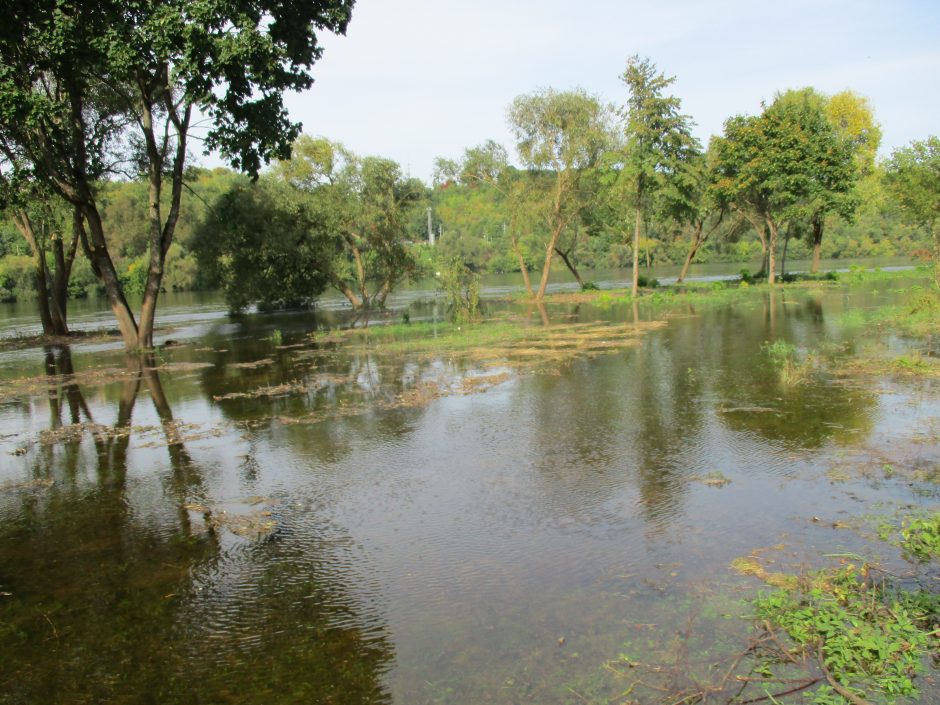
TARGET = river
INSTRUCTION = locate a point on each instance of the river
(191, 540)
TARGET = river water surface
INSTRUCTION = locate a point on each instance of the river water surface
(169, 534)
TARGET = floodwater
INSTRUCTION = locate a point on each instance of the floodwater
(253, 516)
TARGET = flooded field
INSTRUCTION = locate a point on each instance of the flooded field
(270, 510)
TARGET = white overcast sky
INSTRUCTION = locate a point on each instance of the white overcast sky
(417, 79)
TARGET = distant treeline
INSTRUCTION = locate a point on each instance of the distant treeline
(469, 221)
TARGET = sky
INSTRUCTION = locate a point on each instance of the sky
(417, 79)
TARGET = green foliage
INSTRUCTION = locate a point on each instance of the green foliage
(920, 538)
(913, 180)
(462, 287)
(17, 278)
(256, 247)
(870, 638)
(324, 218)
(560, 138)
(792, 367)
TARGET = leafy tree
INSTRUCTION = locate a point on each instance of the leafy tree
(360, 206)
(323, 218)
(659, 145)
(563, 134)
(782, 166)
(488, 165)
(913, 179)
(81, 80)
(256, 246)
(853, 122)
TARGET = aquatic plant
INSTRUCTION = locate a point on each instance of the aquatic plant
(462, 287)
(785, 357)
(867, 637)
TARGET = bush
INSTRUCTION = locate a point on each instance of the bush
(17, 278)
(462, 287)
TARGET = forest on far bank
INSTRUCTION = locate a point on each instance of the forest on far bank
(469, 222)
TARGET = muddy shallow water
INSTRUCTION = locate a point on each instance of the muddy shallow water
(254, 516)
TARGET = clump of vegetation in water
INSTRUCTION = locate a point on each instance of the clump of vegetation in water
(785, 357)
(867, 637)
(462, 287)
(851, 634)
(920, 538)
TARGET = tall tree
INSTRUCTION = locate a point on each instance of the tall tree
(488, 164)
(81, 80)
(323, 218)
(563, 133)
(659, 143)
(780, 166)
(913, 179)
(853, 121)
(361, 206)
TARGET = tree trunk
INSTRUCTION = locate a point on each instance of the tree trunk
(696, 243)
(817, 242)
(523, 268)
(64, 259)
(546, 268)
(786, 244)
(41, 285)
(525, 273)
(771, 252)
(97, 253)
(51, 323)
(161, 232)
(522, 265)
(571, 267)
(688, 263)
(636, 254)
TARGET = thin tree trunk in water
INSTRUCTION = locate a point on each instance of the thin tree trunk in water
(817, 243)
(64, 259)
(636, 254)
(546, 268)
(525, 273)
(571, 266)
(771, 252)
(41, 285)
(688, 262)
(40, 274)
(522, 265)
(697, 241)
(786, 244)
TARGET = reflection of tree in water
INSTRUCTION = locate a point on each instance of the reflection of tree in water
(365, 395)
(752, 397)
(113, 599)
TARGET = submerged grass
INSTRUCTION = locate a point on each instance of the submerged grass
(516, 342)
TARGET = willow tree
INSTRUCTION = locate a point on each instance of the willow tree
(659, 145)
(89, 85)
(488, 165)
(561, 135)
(359, 207)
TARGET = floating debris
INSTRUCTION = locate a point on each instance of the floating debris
(715, 478)
(41, 483)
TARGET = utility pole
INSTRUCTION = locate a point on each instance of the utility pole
(430, 228)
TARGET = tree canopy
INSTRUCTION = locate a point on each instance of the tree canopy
(89, 88)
